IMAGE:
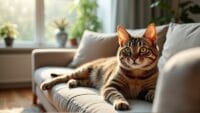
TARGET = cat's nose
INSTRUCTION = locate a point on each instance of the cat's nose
(134, 58)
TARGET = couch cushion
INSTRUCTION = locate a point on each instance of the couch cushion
(88, 100)
(81, 99)
(43, 73)
(178, 85)
(93, 46)
(179, 37)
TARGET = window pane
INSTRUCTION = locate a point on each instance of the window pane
(55, 9)
(21, 13)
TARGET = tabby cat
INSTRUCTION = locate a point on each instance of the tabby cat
(131, 74)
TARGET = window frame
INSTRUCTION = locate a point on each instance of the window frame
(39, 23)
(39, 28)
(39, 39)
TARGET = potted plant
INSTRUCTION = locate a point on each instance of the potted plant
(86, 19)
(179, 15)
(61, 35)
(9, 33)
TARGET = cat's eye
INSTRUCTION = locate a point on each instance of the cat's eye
(144, 50)
(127, 51)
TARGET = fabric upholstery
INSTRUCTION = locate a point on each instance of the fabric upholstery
(178, 89)
(80, 99)
(179, 37)
(51, 57)
(95, 45)
(46, 103)
(43, 73)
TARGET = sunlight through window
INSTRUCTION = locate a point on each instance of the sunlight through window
(55, 9)
(21, 13)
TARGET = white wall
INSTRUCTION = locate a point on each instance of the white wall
(15, 68)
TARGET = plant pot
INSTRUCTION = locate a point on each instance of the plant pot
(73, 42)
(9, 41)
(61, 38)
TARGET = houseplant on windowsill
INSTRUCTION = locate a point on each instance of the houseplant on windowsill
(9, 32)
(86, 18)
(61, 35)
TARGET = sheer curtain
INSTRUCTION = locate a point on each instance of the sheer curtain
(130, 13)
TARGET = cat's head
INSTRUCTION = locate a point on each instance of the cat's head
(137, 52)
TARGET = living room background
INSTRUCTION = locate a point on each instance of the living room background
(33, 18)
(36, 49)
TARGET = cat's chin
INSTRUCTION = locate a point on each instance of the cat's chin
(136, 66)
(131, 67)
(143, 66)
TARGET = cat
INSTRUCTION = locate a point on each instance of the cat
(131, 74)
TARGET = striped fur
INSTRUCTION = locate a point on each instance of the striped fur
(131, 74)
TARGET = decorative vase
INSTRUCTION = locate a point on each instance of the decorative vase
(61, 38)
(9, 41)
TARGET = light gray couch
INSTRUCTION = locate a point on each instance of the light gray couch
(178, 87)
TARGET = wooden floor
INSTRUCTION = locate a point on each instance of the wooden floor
(12, 98)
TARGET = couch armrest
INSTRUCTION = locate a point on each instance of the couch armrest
(51, 57)
(178, 88)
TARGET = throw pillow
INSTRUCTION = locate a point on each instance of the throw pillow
(93, 46)
(179, 37)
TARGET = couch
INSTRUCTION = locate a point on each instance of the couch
(178, 86)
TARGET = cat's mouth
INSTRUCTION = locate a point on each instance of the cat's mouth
(134, 63)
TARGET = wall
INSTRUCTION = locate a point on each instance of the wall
(15, 69)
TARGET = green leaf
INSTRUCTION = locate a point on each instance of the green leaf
(86, 18)
(161, 20)
(184, 4)
(164, 6)
(185, 17)
(195, 9)
(187, 20)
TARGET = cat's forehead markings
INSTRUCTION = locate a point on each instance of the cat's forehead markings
(135, 42)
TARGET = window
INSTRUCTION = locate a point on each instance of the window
(55, 9)
(21, 13)
(33, 18)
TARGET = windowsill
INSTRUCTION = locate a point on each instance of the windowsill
(27, 48)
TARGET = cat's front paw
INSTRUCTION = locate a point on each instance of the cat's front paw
(121, 105)
(46, 85)
(150, 96)
(73, 83)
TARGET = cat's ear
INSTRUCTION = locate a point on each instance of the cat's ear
(150, 32)
(123, 35)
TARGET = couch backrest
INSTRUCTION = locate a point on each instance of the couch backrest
(179, 37)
